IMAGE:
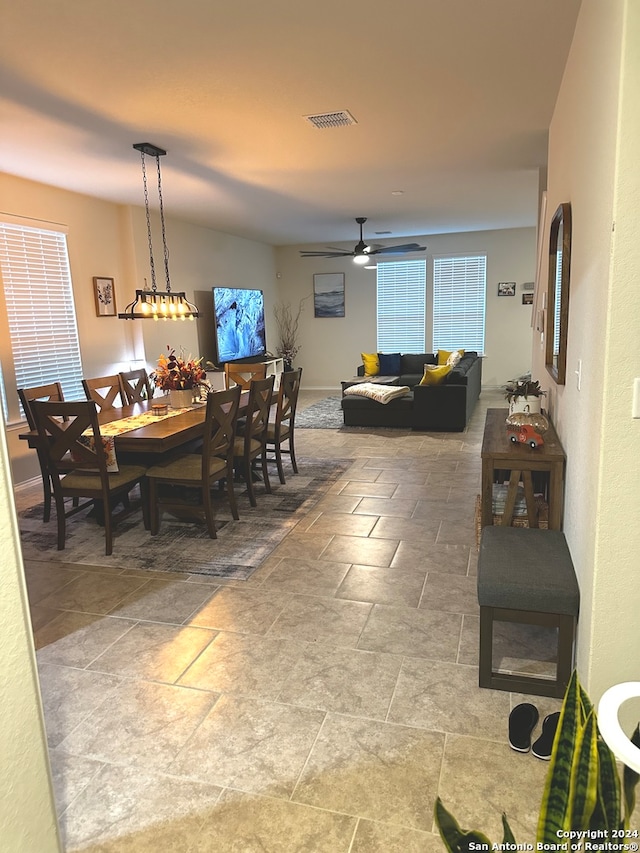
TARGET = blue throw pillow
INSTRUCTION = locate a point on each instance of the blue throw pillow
(389, 364)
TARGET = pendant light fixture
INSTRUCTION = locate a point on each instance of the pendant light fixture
(153, 304)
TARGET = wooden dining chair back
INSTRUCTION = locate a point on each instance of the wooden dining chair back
(199, 471)
(77, 463)
(137, 387)
(250, 445)
(52, 392)
(106, 391)
(244, 374)
(281, 430)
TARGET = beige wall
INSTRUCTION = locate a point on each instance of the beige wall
(27, 815)
(593, 154)
(106, 239)
(331, 347)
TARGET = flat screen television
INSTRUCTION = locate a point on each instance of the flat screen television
(239, 324)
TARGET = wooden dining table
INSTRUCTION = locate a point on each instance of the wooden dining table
(159, 435)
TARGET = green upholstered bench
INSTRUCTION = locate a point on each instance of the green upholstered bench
(526, 575)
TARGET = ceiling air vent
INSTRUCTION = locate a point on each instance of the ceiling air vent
(323, 121)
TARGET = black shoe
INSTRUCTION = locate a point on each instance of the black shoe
(542, 747)
(522, 721)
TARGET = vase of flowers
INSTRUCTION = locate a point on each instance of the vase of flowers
(524, 395)
(178, 376)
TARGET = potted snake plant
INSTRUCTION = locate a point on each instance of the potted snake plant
(582, 789)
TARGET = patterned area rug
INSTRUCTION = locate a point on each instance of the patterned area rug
(185, 546)
(325, 414)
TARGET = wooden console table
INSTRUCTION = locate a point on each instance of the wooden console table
(500, 453)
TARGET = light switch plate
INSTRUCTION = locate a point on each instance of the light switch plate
(635, 409)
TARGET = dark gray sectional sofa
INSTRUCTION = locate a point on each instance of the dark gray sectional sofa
(446, 407)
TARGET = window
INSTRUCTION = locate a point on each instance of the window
(41, 335)
(459, 299)
(401, 306)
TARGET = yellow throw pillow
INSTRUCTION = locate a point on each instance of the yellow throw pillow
(434, 375)
(371, 363)
(444, 354)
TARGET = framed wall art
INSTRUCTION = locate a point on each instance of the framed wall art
(104, 293)
(328, 294)
(506, 288)
(527, 298)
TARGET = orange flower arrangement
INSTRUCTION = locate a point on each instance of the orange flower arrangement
(177, 373)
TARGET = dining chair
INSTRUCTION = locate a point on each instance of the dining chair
(250, 444)
(106, 391)
(76, 460)
(137, 387)
(281, 429)
(199, 470)
(52, 392)
(244, 374)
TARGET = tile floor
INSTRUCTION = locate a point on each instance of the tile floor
(320, 706)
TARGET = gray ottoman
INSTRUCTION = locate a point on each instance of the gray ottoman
(526, 575)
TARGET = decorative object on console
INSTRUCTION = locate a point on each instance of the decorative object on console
(287, 323)
(177, 373)
(150, 304)
(524, 394)
(104, 294)
(361, 251)
(328, 294)
(527, 428)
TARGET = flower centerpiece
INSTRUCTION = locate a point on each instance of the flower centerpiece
(524, 394)
(176, 374)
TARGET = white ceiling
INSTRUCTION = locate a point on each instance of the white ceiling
(452, 100)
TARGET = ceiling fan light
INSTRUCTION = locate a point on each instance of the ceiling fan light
(362, 258)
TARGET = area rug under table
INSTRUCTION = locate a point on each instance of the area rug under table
(324, 414)
(185, 546)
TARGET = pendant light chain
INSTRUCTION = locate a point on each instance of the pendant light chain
(164, 236)
(146, 207)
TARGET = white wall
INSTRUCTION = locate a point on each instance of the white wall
(331, 347)
(593, 156)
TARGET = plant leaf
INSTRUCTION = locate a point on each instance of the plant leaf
(630, 780)
(507, 835)
(456, 839)
(607, 810)
(555, 809)
(584, 774)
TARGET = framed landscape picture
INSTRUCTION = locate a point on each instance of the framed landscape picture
(328, 294)
(105, 296)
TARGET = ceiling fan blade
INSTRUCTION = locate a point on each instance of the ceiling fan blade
(398, 250)
(304, 254)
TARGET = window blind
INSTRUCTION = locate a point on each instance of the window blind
(401, 306)
(40, 310)
(459, 302)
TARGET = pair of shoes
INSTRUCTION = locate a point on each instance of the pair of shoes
(522, 722)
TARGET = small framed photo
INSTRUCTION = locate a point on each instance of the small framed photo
(527, 298)
(506, 288)
(328, 294)
(104, 293)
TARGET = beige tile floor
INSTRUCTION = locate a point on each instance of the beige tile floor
(320, 706)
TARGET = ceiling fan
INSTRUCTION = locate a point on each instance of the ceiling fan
(362, 252)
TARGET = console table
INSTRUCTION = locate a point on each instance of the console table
(500, 453)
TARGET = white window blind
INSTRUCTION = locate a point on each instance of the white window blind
(459, 300)
(40, 310)
(401, 306)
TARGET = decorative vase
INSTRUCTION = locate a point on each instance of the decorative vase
(528, 404)
(181, 399)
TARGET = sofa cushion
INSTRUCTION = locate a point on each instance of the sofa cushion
(389, 363)
(371, 363)
(413, 363)
(410, 379)
(443, 355)
(435, 375)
